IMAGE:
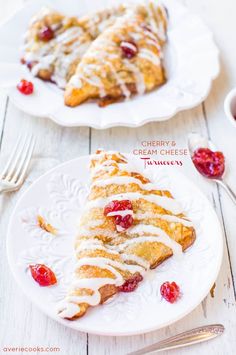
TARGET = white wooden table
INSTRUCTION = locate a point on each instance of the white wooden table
(21, 323)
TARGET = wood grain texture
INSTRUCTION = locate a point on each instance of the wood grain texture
(22, 324)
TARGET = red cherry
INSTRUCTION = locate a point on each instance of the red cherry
(131, 284)
(210, 164)
(129, 49)
(123, 223)
(170, 291)
(46, 34)
(43, 275)
(116, 205)
(25, 87)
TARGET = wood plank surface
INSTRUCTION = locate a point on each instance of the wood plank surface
(22, 324)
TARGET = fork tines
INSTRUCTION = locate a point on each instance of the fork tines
(18, 162)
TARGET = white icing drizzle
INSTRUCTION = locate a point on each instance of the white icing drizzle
(176, 248)
(165, 217)
(103, 167)
(93, 244)
(59, 52)
(95, 232)
(137, 259)
(142, 229)
(105, 263)
(137, 234)
(67, 309)
(94, 223)
(154, 43)
(97, 283)
(70, 306)
(76, 81)
(124, 180)
(130, 46)
(109, 166)
(167, 203)
(121, 213)
(120, 81)
(139, 78)
(112, 52)
(157, 28)
(149, 55)
(100, 155)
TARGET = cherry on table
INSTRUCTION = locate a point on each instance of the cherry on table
(25, 87)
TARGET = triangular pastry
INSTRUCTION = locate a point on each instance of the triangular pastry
(54, 44)
(128, 226)
(125, 59)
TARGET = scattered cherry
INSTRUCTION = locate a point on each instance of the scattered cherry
(25, 87)
(210, 164)
(122, 222)
(131, 284)
(45, 34)
(43, 275)
(170, 291)
(129, 49)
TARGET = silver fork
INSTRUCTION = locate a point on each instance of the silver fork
(14, 173)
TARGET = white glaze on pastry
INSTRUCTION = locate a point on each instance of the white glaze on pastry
(167, 203)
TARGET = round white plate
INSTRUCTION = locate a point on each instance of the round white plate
(191, 61)
(59, 197)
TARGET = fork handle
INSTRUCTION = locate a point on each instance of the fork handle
(190, 337)
(4, 188)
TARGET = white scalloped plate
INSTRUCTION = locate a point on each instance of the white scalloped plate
(59, 197)
(191, 61)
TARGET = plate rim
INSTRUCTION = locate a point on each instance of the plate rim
(86, 329)
(136, 123)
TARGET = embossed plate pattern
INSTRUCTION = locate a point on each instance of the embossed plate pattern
(58, 197)
(191, 61)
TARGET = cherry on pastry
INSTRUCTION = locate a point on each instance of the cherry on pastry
(46, 34)
(131, 284)
(122, 222)
(25, 87)
(170, 291)
(129, 49)
(43, 275)
(117, 205)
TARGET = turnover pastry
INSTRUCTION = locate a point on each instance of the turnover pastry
(125, 59)
(54, 43)
(128, 226)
